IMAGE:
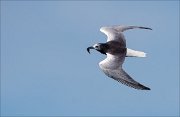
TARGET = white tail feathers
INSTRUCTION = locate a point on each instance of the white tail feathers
(134, 53)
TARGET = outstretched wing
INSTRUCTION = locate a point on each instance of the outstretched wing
(121, 76)
(115, 32)
(112, 67)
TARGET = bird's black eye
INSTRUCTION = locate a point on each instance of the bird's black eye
(96, 46)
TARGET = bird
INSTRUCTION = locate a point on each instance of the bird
(116, 51)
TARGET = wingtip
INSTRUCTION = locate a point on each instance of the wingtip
(145, 28)
(150, 28)
(146, 88)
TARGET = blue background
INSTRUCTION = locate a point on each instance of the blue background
(46, 70)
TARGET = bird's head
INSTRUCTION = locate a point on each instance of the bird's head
(100, 47)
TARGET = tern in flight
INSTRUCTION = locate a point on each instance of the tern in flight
(116, 51)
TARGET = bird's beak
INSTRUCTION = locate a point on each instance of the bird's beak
(88, 49)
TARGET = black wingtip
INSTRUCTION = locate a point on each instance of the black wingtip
(144, 87)
(149, 28)
(146, 28)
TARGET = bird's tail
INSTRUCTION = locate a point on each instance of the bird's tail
(134, 53)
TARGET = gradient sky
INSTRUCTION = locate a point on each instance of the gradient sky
(46, 70)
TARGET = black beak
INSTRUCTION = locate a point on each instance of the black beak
(88, 49)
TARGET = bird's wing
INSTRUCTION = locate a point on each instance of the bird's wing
(121, 76)
(112, 61)
(112, 34)
(115, 32)
(112, 67)
(122, 28)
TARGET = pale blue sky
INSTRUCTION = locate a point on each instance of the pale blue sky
(46, 70)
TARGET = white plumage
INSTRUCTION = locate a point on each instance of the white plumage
(112, 65)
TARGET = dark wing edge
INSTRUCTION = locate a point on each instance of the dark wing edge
(129, 84)
(122, 28)
(121, 76)
(128, 81)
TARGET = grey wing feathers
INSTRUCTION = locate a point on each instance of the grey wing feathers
(121, 76)
(115, 32)
(121, 28)
(124, 28)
